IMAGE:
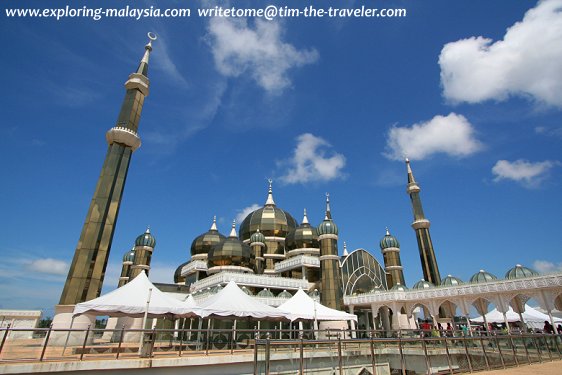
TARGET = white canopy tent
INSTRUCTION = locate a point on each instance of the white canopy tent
(532, 317)
(135, 299)
(302, 307)
(231, 303)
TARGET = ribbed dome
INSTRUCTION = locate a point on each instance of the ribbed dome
(399, 287)
(519, 272)
(178, 278)
(129, 256)
(284, 294)
(270, 220)
(265, 293)
(422, 284)
(482, 277)
(451, 281)
(247, 291)
(146, 239)
(257, 237)
(389, 241)
(327, 227)
(303, 236)
(203, 243)
(230, 252)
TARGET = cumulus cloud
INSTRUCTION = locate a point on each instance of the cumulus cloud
(312, 160)
(526, 62)
(452, 134)
(544, 266)
(523, 171)
(48, 265)
(241, 214)
(260, 52)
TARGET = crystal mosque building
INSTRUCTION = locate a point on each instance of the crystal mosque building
(272, 255)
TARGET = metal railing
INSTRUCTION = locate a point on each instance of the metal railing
(277, 351)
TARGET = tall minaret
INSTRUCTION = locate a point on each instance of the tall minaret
(390, 248)
(128, 260)
(86, 274)
(421, 227)
(330, 271)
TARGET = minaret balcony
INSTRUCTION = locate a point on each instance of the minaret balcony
(421, 224)
(139, 82)
(123, 136)
(297, 263)
(194, 266)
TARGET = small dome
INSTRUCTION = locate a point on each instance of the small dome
(451, 281)
(146, 239)
(257, 237)
(230, 252)
(482, 277)
(265, 293)
(327, 227)
(399, 287)
(422, 284)
(519, 272)
(284, 294)
(203, 243)
(129, 256)
(216, 289)
(303, 236)
(389, 241)
(247, 291)
(178, 278)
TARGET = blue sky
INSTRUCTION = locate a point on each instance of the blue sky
(470, 91)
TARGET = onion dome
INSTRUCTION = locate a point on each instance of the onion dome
(230, 252)
(146, 239)
(247, 291)
(203, 243)
(482, 277)
(216, 289)
(266, 293)
(284, 294)
(422, 284)
(178, 278)
(399, 287)
(129, 256)
(303, 236)
(519, 272)
(389, 241)
(257, 237)
(327, 226)
(271, 220)
(451, 281)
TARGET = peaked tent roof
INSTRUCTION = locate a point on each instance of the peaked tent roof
(130, 300)
(302, 307)
(232, 302)
(531, 316)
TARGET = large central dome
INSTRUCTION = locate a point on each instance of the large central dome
(270, 220)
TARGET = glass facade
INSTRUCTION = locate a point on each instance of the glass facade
(362, 273)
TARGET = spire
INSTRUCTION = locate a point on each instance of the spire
(214, 225)
(411, 179)
(269, 201)
(233, 231)
(387, 232)
(305, 218)
(143, 66)
(147, 230)
(328, 212)
(345, 253)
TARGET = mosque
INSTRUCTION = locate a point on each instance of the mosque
(272, 256)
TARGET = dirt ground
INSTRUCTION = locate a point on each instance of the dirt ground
(547, 368)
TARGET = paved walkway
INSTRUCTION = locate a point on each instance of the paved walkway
(547, 368)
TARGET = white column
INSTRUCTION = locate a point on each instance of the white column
(353, 328)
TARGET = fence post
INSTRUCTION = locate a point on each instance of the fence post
(427, 360)
(448, 355)
(499, 349)
(85, 341)
(4, 337)
(120, 341)
(182, 332)
(513, 349)
(267, 353)
(402, 360)
(485, 354)
(340, 359)
(538, 347)
(46, 342)
(467, 354)
(256, 338)
(547, 346)
(301, 353)
(373, 360)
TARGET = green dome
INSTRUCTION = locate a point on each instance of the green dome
(422, 284)
(399, 287)
(247, 291)
(519, 272)
(178, 278)
(203, 243)
(265, 293)
(257, 237)
(451, 281)
(284, 294)
(482, 277)
(389, 241)
(303, 236)
(327, 227)
(146, 239)
(129, 256)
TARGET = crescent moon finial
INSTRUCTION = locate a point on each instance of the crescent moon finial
(152, 36)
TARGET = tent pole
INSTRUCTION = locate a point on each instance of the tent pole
(68, 334)
(144, 319)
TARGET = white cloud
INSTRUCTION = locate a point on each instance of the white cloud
(238, 49)
(523, 171)
(525, 63)
(166, 64)
(241, 214)
(549, 131)
(452, 135)
(310, 163)
(48, 265)
(544, 266)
